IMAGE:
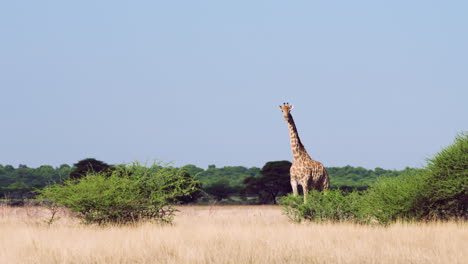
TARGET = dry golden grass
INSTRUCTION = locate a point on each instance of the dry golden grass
(225, 234)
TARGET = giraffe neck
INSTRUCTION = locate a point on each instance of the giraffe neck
(297, 147)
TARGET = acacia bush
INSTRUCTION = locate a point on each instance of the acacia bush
(131, 193)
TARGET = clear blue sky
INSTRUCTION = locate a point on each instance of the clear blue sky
(374, 83)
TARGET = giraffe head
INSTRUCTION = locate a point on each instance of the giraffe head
(286, 108)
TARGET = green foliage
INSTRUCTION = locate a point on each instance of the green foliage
(275, 181)
(348, 177)
(187, 182)
(235, 175)
(221, 190)
(131, 193)
(392, 198)
(19, 183)
(437, 192)
(221, 183)
(192, 169)
(388, 199)
(446, 191)
(328, 205)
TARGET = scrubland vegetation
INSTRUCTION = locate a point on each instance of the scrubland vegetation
(438, 192)
(222, 184)
(224, 234)
(132, 214)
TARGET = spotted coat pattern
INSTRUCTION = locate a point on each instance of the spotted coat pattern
(305, 171)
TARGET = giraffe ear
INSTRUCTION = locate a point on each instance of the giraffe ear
(281, 108)
(291, 107)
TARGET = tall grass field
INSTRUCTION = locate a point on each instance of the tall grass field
(224, 234)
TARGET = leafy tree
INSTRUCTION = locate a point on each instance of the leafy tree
(45, 174)
(25, 175)
(63, 173)
(221, 189)
(275, 181)
(5, 177)
(85, 166)
(192, 169)
(19, 186)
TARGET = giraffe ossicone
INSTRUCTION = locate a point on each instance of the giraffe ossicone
(305, 171)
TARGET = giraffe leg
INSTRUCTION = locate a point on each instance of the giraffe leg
(305, 190)
(294, 186)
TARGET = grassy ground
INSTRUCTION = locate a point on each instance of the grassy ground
(224, 234)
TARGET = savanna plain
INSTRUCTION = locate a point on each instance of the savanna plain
(224, 234)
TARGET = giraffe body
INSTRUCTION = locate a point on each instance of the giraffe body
(310, 174)
(305, 171)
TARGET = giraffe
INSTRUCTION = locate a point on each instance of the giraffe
(309, 173)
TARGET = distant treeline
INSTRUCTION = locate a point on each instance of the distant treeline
(220, 183)
(340, 177)
(22, 181)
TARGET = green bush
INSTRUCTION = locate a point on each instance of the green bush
(392, 198)
(131, 193)
(447, 183)
(437, 192)
(328, 205)
(388, 199)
